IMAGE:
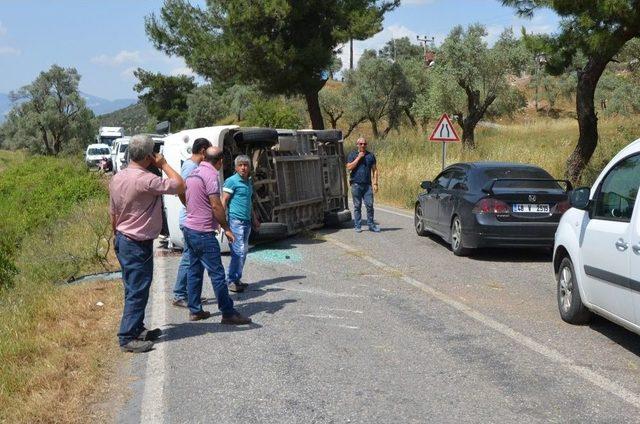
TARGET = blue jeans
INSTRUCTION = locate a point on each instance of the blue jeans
(136, 261)
(180, 288)
(359, 193)
(204, 253)
(239, 248)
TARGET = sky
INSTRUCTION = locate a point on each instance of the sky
(105, 40)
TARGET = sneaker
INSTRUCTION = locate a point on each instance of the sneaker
(137, 346)
(240, 283)
(149, 335)
(236, 319)
(358, 229)
(375, 228)
(180, 303)
(199, 316)
(236, 287)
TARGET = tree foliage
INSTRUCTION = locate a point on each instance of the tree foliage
(49, 115)
(401, 49)
(480, 73)
(282, 47)
(205, 106)
(597, 30)
(165, 96)
(273, 113)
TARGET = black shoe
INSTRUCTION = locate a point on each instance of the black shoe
(199, 316)
(149, 335)
(236, 287)
(137, 346)
(180, 303)
(236, 319)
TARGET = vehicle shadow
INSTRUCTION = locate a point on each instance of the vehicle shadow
(512, 255)
(617, 334)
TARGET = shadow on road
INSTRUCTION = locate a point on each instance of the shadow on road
(260, 288)
(195, 329)
(616, 334)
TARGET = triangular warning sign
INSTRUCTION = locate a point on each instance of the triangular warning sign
(444, 131)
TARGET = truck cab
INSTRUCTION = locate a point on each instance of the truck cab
(107, 135)
(299, 176)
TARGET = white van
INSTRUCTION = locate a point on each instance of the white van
(120, 146)
(95, 153)
(597, 246)
(299, 177)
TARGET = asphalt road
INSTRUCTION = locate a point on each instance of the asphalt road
(384, 328)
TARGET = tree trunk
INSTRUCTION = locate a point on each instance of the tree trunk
(350, 53)
(315, 114)
(407, 112)
(468, 134)
(587, 119)
(374, 128)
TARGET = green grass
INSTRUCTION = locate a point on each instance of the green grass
(406, 159)
(54, 345)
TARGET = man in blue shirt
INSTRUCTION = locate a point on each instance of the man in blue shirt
(364, 182)
(237, 198)
(198, 149)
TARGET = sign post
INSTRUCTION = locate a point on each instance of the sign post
(446, 133)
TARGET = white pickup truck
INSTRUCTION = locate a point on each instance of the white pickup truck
(299, 176)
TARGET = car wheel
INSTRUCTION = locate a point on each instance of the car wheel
(256, 135)
(418, 221)
(269, 231)
(570, 305)
(457, 243)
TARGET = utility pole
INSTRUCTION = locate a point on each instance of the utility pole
(424, 40)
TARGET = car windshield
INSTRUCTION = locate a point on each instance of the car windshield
(99, 151)
(520, 172)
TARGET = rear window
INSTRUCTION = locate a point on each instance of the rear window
(123, 147)
(534, 173)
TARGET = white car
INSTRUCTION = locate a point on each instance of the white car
(597, 247)
(95, 153)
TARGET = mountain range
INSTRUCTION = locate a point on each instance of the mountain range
(98, 105)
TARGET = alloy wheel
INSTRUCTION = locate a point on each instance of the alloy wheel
(456, 234)
(417, 220)
(566, 288)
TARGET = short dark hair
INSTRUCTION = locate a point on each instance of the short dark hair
(200, 144)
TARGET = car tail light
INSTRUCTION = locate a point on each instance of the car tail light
(493, 206)
(563, 206)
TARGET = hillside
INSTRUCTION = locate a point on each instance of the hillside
(134, 119)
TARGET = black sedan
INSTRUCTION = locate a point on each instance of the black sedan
(492, 204)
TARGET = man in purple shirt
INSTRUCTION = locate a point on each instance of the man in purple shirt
(136, 217)
(205, 214)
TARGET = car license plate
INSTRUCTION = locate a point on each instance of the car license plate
(531, 208)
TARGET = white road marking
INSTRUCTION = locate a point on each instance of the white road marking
(405, 215)
(324, 316)
(342, 310)
(152, 408)
(350, 327)
(319, 292)
(549, 353)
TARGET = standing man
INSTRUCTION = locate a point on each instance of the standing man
(136, 218)
(180, 288)
(205, 214)
(362, 165)
(237, 200)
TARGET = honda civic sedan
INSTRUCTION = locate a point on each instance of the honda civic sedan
(492, 204)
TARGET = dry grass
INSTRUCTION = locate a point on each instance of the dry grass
(406, 159)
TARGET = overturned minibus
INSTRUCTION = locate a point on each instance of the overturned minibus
(299, 176)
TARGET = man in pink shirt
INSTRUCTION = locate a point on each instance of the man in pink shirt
(205, 214)
(136, 217)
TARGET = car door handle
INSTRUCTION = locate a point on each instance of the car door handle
(636, 249)
(622, 245)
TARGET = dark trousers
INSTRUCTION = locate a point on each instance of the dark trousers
(204, 253)
(136, 261)
(362, 193)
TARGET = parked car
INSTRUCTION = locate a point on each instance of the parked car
(491, 204)
(299, 176)
(597, 247)
(120, 146)
(95, 153)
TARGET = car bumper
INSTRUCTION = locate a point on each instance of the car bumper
(493, 233)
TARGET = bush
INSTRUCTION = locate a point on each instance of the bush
(273, 113)
(35, 193)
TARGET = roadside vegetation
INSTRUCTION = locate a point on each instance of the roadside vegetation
(55, 341)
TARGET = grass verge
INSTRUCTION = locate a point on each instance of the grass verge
(56, 344)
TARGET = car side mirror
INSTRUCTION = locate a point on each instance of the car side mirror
(579, 198)
(427, 185)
